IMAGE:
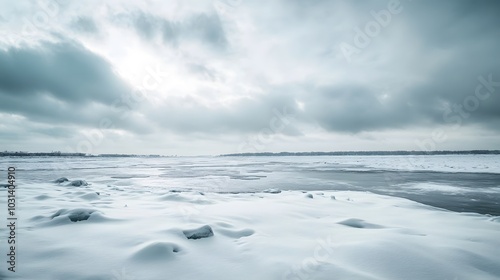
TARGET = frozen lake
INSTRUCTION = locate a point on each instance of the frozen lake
(253, 218)
(462, 183)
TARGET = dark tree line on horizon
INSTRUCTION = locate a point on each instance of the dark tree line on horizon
(348, 153)
(61, 154)
(372, 153)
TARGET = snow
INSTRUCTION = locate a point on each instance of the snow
(445, 188)
(438, 163)
(139, 232)
(128, 219)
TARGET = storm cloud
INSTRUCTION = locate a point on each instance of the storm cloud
(222, 71)
(203, 28)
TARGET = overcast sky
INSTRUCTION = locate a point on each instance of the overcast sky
(181, 77)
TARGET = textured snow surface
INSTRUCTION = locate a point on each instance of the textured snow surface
(106, 232)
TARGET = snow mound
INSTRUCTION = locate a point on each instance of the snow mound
(183, 198)
(173, 197)
(309, 195)
(42, 197)
(156, 251)
(198, 233)
(236, 233)
(90, 196)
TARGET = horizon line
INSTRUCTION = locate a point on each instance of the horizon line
(283, 153)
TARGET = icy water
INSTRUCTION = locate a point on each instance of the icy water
(457, 183)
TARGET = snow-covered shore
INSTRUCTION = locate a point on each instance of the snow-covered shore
(111, 232)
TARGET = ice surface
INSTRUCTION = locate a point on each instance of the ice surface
(133, 226)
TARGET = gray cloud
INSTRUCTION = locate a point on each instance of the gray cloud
(353, 108)
(206, 28)
(62, 83)
(262, 56)
(66, 71)
(203, 28)
(247, 115)
(85, 24)
(447, 52)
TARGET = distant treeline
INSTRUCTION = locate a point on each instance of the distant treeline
(350, 153)
(51, 154)
(61, 154)
(126, 155)
(370, 153)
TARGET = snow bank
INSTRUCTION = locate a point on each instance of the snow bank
(142, 233)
